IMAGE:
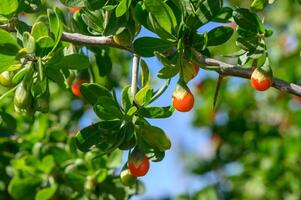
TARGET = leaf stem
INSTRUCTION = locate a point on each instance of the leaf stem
(8, 93)
(160, 91)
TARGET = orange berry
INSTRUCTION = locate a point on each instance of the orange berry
(260, 81)
(183, 99)
(74, 10)
(75, 87)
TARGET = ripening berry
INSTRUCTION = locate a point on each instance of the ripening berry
(138, 163)
(260, 81)
(75, 87)
(74, 10)
(183, 99)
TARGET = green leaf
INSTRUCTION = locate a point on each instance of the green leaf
(7, 122)
(162, 13)
(156, 112)
(92, 91)
(122, 7)
(56, 27)
(248, 20)
(219, 35)
(8, 43)
(74, 3)
(44, 45)
(92, 135)
(23, 188)
(75, 61)
(115, 25)
(107, 109)
(47, 164)
(29, 6)
(29, 42)
(146, 46)
(153, 136)
(258, 5)
(129, 140)
(224, 15)
(168, 72)
(8, 49)
(127, 98)
(145, 75)
(8, 7)
(39, 30)
(46, 193)
(142, 95)
(94, 20)
(104, 63)
(208, 10)
(115, 159)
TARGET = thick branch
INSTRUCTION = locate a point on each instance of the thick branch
(80, 39)
(232, 70)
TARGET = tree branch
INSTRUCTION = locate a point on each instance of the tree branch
(80, 39)
(223, 68)
(135, 69)
(232, 70)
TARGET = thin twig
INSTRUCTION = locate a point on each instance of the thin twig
(232, 70)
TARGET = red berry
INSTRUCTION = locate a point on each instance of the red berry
(182, 99)
(74, 10)
(75, 87)
(260, 80)
(138, 164)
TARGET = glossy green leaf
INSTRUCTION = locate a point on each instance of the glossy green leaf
(162, 13)
(93, 20)
(156, 112)
(168, 72)
(127, 98)
(46, 193)
(56, 26)
(8, 7)
(93, 134)
(92, 91)
(219, 35)
(258, 5)
(207, 10)
(145, 75)
(248, 20)
(129, 140)
(29, 42)
(146, 46)
(141, 96)
(75, 61)
(122, 7)
(8, 49)
(153, 136)
(107, 109)
(39, 29)
(224, 15)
